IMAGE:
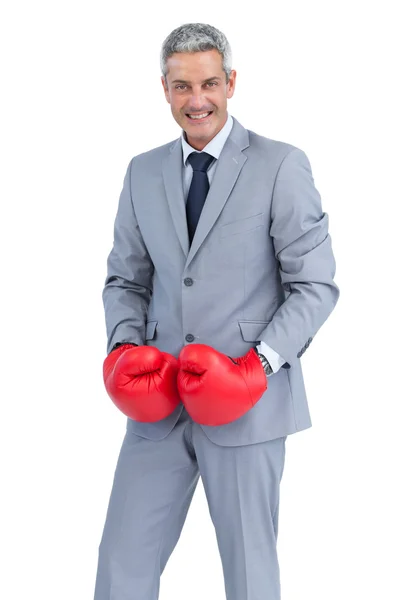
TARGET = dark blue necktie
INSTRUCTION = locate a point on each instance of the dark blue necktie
(198, 191)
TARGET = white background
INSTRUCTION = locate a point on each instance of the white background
(81, 96)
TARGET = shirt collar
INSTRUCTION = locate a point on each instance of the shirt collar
(214, 146)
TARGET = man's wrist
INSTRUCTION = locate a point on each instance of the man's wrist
(265, 363)
(117, 344)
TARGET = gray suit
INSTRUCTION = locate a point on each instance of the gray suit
(260, 268)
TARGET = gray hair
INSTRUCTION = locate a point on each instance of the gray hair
(196, 37)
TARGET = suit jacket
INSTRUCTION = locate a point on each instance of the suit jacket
(260, 268)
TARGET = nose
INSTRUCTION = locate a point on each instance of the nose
(197, 102)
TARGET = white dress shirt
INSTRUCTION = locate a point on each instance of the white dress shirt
(214, 148)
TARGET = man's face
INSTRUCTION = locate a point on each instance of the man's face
(196, 84)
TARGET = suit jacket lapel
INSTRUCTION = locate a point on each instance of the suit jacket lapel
(172, 174)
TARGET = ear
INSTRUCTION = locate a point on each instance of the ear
(165, 88)
(231, 84)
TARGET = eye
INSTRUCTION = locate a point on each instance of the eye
(180, 86)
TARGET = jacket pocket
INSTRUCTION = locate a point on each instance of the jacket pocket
(151, 327)
(242, 225)
(251, 330)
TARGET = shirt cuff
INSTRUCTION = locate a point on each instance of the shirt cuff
(274, 359)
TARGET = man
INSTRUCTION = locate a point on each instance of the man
(220, 276)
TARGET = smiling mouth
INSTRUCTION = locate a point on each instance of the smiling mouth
(199, 116)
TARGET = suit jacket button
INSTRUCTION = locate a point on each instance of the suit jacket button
(189, 337)
(188, 281)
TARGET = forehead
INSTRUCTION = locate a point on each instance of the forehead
(194, 65)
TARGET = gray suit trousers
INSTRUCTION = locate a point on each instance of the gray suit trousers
(153, 486)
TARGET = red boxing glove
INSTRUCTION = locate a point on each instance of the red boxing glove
(141, 381)
(217, 389)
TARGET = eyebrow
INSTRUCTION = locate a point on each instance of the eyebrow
(205, 81)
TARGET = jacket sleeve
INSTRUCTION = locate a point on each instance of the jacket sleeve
(128, 285)
(303, 249)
